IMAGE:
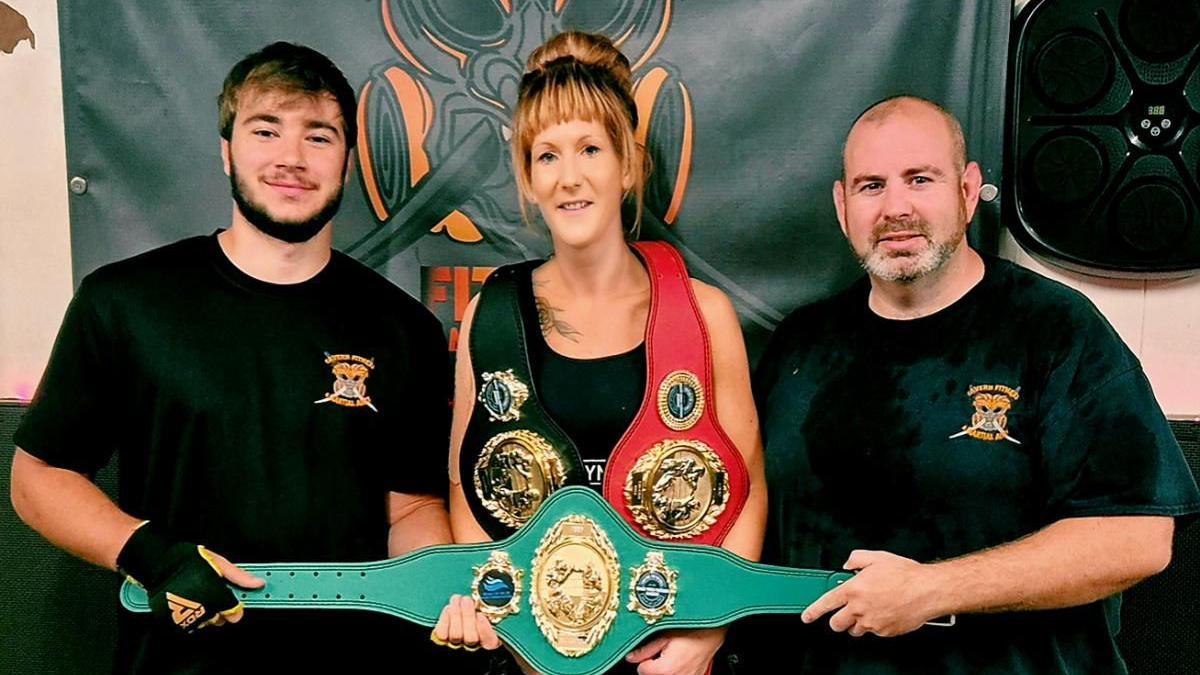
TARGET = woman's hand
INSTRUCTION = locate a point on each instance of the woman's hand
(686, 652)
(460, 626)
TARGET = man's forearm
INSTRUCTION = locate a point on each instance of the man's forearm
(1070, 562)
(69, 510)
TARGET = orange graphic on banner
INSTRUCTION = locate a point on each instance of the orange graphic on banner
(400, 151)
(455, 285)
(417, 120)
(459, 227)
(399, 43)
(645, 93)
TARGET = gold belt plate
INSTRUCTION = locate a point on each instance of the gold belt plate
(515, 473)
(575, 585)
(677, 489)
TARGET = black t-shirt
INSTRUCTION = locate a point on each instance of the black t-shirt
(267, 422)
(1014, 407)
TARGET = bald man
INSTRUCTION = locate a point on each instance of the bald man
(972, 439)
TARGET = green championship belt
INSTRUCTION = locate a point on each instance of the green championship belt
(572, 592)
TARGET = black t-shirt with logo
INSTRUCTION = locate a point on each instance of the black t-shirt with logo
(931, 438)
(267, 422)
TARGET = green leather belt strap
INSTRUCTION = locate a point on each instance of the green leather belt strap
(573, 591)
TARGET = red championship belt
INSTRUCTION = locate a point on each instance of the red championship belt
(675, 474)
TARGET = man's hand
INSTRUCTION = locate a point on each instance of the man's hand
(891, 595)
(185, 582)
(687, 652)
(238, 577)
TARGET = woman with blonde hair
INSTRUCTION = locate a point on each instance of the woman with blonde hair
(605, 365)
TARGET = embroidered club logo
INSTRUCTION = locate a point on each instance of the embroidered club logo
(184, 612)
(989, 422)
(349, 381)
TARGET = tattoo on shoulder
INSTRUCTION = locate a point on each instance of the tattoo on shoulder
(549, 321)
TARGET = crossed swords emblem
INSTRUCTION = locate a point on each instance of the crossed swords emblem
(991, 416)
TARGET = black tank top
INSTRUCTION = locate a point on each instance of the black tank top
(593, 400)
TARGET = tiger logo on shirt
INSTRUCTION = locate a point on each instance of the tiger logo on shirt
(989, 421)
(350, 374)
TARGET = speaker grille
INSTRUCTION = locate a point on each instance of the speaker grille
(1159, 616)
(1100, 171)
(1160, 30)
(1067, 168)
(1151, 216)
(58, 613)
(1073, 71)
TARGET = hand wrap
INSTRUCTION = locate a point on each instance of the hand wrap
(181, 579)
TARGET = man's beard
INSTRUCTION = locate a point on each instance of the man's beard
(906, 268)
(293, 232)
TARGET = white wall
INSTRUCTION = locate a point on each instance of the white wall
(35, 252)
(1160, 320)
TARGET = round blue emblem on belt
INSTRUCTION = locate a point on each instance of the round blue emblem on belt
(502, 395)
(496, 588)
(681, 400)
(497, 398)
(652, 589)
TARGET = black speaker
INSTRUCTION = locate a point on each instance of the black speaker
(1102, 150)
(58, 614)
(1159, 616)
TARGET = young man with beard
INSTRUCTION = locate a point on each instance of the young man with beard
(270, 399)
(972, 439)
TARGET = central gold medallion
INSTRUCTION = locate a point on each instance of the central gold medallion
(575, 586)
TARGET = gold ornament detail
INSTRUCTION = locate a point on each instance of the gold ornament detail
(575, 585)
(516, 472)
(502, 395)
(652, 588)
(496, 587)
(677, 489)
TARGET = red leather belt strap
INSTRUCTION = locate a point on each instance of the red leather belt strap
(676, 339)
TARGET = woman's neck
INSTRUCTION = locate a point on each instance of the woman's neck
(608, 270)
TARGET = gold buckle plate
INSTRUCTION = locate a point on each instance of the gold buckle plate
(677, 489)
(515, 473)
(575, 585)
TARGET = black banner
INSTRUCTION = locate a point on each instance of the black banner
(747, 106)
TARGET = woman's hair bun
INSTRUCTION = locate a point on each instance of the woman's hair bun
(586, 49)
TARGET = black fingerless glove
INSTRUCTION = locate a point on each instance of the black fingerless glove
(181, 580)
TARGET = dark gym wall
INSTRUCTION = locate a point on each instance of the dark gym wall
(59, 613)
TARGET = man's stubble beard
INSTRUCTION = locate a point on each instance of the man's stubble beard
(292, 232)
(909, 268)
